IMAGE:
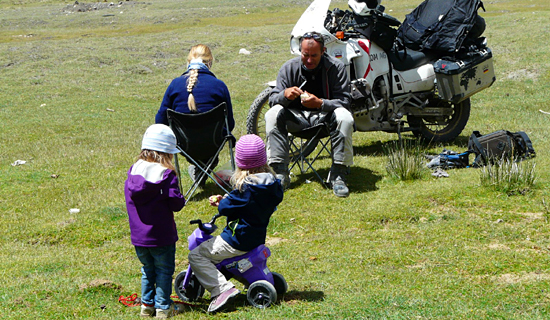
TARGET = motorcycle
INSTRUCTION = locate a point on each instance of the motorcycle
(393, 89)
(263, 286)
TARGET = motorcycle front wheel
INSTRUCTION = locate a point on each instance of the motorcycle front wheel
(441, 128)
(255, 120)
(255, 123)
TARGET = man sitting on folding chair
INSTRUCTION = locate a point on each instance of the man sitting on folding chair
(311, 89)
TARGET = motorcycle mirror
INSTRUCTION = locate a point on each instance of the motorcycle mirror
(372, 4)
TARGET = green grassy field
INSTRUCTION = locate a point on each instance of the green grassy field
(78, 89)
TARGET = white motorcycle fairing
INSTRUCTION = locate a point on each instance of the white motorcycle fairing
(368, 59)
(392, 89)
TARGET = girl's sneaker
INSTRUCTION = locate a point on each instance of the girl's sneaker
(170, 312)
(147, 310)
(221, 299)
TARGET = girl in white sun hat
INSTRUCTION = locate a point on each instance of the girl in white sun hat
(152, 196)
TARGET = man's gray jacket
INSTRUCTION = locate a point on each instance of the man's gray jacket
(335, 81)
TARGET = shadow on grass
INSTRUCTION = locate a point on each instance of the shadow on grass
(359, 180)
(377, 148)
(372, 149)
(309, 296)
(210, 188)
(289, 297)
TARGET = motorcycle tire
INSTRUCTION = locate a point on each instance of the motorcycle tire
(442, 129)
(255, 123)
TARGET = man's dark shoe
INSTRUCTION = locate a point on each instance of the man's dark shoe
(339, 188)
(338, 180)
(281, 173)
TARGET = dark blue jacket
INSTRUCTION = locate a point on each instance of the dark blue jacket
(248, 212)
(209, 92)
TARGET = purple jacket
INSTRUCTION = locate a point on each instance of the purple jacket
(152, 196)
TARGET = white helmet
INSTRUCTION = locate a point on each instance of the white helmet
(362, 7)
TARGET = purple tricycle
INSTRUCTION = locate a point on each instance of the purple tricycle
(263, 286)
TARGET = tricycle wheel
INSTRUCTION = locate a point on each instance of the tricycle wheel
(261, 294)
(194, 290)
(279, 283)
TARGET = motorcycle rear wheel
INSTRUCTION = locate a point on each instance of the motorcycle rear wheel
(442, 128)
(255, 123)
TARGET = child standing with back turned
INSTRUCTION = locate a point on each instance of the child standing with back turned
(152, 196)
(248, 208)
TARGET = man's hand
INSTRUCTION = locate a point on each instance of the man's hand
(310, 101)
(293, 93)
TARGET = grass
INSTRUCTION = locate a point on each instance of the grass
(78, 90)
(509, 176)
(406, 160)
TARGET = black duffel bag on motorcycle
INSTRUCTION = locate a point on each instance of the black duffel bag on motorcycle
(441, 25)
(500, 145)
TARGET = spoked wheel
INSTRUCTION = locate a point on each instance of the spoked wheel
(255, 123)
(279, 283)
(194, 290)
(255, 120)
(261, 294)
(442, 128)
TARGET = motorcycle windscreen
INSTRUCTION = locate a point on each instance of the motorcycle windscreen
(313, 19)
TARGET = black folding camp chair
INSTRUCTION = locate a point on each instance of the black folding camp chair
(307, 145)
(202, 136)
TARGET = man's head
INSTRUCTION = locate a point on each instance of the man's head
(312, 47)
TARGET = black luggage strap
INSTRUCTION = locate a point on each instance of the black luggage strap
(482, 154)
(526, 144)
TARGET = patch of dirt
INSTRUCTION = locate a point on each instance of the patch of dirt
(92, 6)
(512, 278)
(498, 246)
(271, 241)
(532, 215)
(66, 222)
(97, 283)
(522, 74)
(21, 302)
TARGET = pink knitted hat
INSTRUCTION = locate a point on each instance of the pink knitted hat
(250, 152)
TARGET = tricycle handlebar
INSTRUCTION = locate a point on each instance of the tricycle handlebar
(209, 227)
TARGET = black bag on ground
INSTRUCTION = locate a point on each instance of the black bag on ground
(500, 145)
(441, 25)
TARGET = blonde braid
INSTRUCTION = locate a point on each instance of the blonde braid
(191, 81)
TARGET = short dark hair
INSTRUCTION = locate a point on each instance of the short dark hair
(315, 36)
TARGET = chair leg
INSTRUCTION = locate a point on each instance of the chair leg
(205, 170)
(178, 172)
(302, 161)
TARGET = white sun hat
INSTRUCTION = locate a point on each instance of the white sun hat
(159, 137)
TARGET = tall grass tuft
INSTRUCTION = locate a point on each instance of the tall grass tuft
(405, 160)
(508, 176)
